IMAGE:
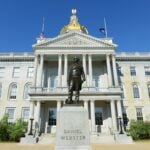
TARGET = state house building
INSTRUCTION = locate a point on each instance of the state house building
(34, 85)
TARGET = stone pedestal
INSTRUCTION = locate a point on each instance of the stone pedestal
(72, 129)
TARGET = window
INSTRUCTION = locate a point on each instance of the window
(133, 71)
(26, 91)
(30, 72)
(119, 71)
(139, 114)
(2, 71)
(16, 72)
(25, 114)
(0, 89)
(148, 87)
(122, 90)
(147, 70)
(10, 111)
(136, 92)
(13, 91)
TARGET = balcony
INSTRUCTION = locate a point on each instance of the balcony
(64, 90)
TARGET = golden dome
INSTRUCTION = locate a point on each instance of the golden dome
(74, 25)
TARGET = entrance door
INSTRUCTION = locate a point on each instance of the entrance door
(52, 119)
(52, 116)
(98, 118)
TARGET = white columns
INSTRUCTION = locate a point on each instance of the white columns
(58, 105)
(86, 105)
(59, 70)
(38, 110)
(35, 70)
(114, 70)
(119, 108)
(40, 71)
(31, 109)
(92, 105)
(84, 67)
(65, 68)
(109, 70)
(90, 69)
(113, 115)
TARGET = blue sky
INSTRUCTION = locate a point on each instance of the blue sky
(128, 21)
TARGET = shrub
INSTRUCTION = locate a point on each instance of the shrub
(4, 128)
(139, 130)
(17, 130)
(12, 131)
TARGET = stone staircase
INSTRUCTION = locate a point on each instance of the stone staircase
(123, 139)
(47, 139)
(102, 139)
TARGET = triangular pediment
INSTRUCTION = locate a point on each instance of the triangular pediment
(74, 39)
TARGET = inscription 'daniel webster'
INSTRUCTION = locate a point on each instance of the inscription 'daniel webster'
(73, 135)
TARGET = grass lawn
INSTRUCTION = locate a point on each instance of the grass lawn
(139, 145)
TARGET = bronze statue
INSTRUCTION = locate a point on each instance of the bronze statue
(75, 79)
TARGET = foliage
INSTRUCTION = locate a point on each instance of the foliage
(139, 130)
(11, 131)
(4, 128)
(17, 130)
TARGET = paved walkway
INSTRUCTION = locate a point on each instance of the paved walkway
(136, 146)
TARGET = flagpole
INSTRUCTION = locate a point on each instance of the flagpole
(43, 25)
(105, 27)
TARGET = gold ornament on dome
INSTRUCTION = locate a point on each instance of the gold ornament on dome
(74, 24)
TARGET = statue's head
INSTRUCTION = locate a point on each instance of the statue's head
(76, 59)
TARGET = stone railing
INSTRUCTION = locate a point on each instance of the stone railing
(45, 90)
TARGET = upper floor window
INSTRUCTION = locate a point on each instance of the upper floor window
(26, 91)
(13, 91)
(119, 71)
(147, 70)
(16, 72)
(2, 71)
(10, 111)
(25, 113)
(0, 89)
(139, 114)
(122, 89)
(148, 87)
(136, 92)
(30, 72)
(132, 70)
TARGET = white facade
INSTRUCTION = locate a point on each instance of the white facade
(102, 93)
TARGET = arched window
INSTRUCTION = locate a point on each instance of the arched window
(13, 91)
(148, 87)
(136, 92)
(26, 91)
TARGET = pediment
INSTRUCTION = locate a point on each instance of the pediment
(74, 39)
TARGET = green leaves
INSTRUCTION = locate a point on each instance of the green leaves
(12, 131)
(139, 130)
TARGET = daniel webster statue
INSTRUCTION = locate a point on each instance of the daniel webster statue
(75, 79)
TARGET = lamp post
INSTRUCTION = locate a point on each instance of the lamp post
(31, 124)
(120, 124)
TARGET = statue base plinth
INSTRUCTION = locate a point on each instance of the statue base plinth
(72, 128)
